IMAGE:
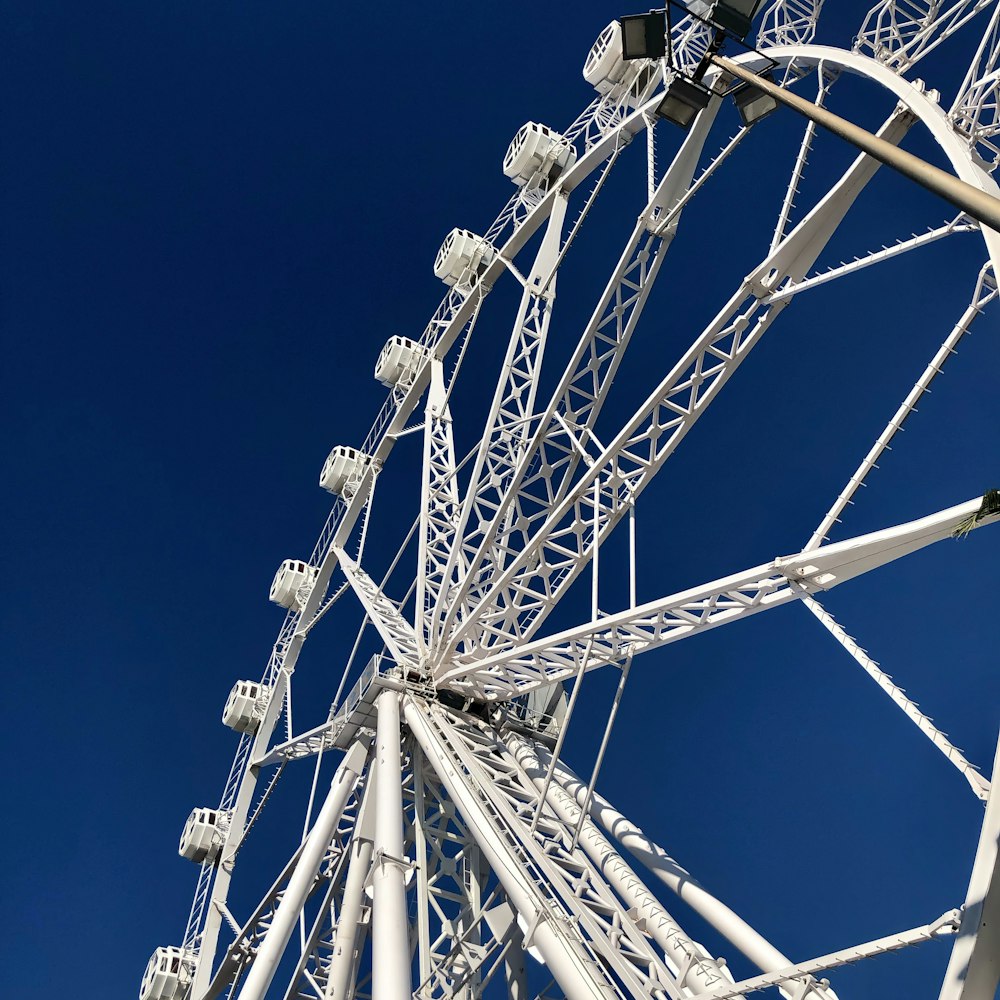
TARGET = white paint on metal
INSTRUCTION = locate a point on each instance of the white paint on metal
(390, 926)
(311, 856)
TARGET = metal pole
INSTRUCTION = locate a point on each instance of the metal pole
(974, 969)
(684, 956)
(313, 851)
(983, 207)
(631, 554)
(563, 953)
(344, 960)
(729, 924)
(605, 740)
(390, 926)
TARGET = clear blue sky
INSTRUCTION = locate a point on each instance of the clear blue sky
(214, 214)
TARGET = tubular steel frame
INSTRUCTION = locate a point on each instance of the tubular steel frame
(454, 845)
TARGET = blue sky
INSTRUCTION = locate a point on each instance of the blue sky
(214, 216)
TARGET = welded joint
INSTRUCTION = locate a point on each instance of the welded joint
(574, 440)
(947, 924)
(382, 860)
(528, 933)
(509, 264)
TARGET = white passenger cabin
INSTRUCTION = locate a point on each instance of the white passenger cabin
(203, 835)
(463, 258)
(537, 153)
(606, 70)
(399, 361)
(343, 470)
(292, 576)
(167, 975)
(604, 66)
(245, 706)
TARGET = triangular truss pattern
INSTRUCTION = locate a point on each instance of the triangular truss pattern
(565, 431)
(440, 510)
(507, 426)
(563, 544)
(976, 111)
(901, 32)
(456, 855)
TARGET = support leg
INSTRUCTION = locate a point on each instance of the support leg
(732, 926)
(313, 851)
(390, 926)
(343, 963)
(974, 969)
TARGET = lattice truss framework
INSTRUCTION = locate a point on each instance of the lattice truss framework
(456, 854)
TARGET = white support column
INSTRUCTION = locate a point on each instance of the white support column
(574, 970)
(728, 923)
(390, 926)
(343, 962)
(689, 961)
(313, 851)
(974, 970)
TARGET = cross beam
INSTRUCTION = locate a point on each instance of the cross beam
(637, 630)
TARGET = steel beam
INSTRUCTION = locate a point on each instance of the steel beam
(313, 851)
(390, 925)
(974, 970)
(344, 961)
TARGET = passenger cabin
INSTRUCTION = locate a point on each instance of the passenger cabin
(399, 361)
(203, 835)
(537, 153)
(245, 706)
(463, 258)
(167, 975)
(292, 576)
(343, 470)
(606, 70)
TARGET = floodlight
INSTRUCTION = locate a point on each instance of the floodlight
(735, 16)
(681, 101)
(644, 36)
(753, 104)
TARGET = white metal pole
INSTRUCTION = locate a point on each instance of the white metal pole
(685, 958)
(978, 204)
(974, 969)
(596, 560)
(605, 740)
(390, 926)
(343, 962)
(313, 851)
(728, 923)
(567, 961)
(631, 555)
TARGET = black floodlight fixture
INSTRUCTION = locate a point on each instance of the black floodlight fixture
(735, 16)
(681, 101)
(753, 104)
(644, 36)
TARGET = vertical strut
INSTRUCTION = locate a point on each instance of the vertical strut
(438, 502)
(390, 926)
(313, 851)
(728, 923)
(344, 961)
(974, 969)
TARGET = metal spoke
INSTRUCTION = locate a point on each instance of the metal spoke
(456, 854)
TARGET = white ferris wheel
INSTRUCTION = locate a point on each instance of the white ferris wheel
(456, 852)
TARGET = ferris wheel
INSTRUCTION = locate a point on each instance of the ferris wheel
(456, 853)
